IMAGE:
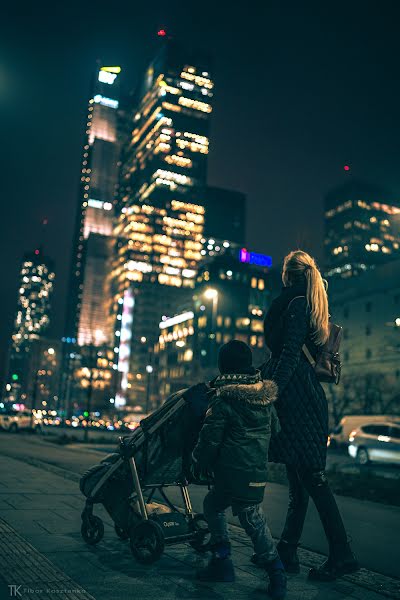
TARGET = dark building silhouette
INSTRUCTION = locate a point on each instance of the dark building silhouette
(229, 302)
(361, 228)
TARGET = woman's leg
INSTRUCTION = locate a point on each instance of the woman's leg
(297, 509)
(316, 483)
(341, 559)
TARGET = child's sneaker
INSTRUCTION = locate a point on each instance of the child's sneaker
(277, 579)
(220, 567)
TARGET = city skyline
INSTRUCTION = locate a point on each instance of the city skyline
(320, 172)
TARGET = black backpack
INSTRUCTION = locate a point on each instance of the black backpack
(327, 364)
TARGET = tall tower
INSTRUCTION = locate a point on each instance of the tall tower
(32, 318)
(86, 322)
(161, 211)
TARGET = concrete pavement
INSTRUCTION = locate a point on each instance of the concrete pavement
(42, 509)
(373, 527)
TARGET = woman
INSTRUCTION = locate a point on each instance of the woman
(300, 316)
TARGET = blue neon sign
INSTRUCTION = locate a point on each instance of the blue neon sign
(261, 260)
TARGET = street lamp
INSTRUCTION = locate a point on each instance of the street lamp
(212, 294)
(149, 371)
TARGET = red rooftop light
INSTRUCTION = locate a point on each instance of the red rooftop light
(346, 168)
(36, 251)
(161, 33)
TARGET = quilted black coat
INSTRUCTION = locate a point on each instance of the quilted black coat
(301, 405)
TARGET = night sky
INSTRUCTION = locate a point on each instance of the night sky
(302, 88)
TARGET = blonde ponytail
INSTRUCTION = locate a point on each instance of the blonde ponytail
(299, 264)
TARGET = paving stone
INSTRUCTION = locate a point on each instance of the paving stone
(44, 507)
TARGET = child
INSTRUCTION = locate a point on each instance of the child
(233, 445)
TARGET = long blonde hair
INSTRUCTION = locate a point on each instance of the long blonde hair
(296, 266)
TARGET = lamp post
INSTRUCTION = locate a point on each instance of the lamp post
(34, 395)
(92, 362)
(149, 371)
(212, 294)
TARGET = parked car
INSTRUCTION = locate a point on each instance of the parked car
(339, 436)
(375, 442)
(17, 420)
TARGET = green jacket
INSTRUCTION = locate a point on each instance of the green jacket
(234, 439)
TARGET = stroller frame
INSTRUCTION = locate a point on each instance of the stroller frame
(149, 536)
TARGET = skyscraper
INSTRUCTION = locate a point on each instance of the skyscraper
(32, 317)
(362, 228)
(86, 319)
(160, 205)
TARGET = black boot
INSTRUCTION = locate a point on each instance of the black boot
(220, 567)
(289, 557)
(341, 561)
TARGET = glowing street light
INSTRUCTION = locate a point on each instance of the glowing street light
(50, 350)
(211, 293)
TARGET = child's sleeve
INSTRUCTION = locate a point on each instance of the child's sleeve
(211, 436)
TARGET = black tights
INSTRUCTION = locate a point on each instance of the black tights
(303, 484)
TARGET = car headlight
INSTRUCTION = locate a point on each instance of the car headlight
(352, 450)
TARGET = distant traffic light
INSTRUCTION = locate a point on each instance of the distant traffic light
(15, 377)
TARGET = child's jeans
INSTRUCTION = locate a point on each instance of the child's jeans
(251, 517)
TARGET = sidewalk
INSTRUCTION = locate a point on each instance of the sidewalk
(41, 549)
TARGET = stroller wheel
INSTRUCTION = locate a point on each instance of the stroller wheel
(201, 541)
(92, 530)
(146, 541)
(121, 533)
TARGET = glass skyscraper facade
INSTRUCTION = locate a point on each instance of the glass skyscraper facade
(160, 221)
(86, 315)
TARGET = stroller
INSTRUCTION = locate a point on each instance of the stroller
(154, 457)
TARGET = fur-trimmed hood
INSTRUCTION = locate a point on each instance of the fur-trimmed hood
(255, 391)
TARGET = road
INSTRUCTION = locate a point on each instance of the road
(374, 528)
(337, 459)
